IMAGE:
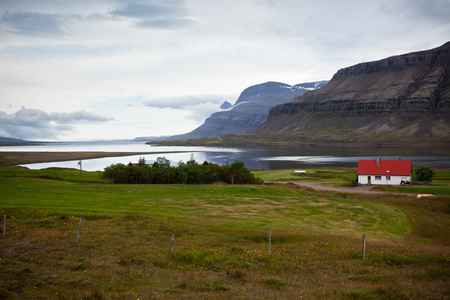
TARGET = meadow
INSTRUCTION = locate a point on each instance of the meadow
(221, 246)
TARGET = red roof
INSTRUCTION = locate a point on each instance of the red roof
(395, 167)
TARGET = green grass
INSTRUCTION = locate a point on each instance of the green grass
(243, 206)
(437, 190)
(221, 241)
(442, 177)
(343, 175)
(320, 174)
(62, 174)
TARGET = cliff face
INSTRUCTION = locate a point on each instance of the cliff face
(405, 96)
(250, 110)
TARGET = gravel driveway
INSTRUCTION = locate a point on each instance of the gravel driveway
(325, 186)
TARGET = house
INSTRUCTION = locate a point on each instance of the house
(384, 172)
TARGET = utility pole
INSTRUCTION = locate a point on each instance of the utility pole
(81, 174)
(387, 181)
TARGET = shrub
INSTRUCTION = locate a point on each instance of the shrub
(161, 172)
(423, 173)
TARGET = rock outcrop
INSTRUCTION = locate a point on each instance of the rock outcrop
(400, 98)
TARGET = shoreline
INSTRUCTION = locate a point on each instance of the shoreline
(247, 140)
(13, 158)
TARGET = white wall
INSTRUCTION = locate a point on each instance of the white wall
(394, 180)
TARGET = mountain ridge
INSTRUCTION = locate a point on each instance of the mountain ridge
(250, 109)
(6, 141)
(404, 97)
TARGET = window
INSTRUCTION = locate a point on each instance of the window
(388, 177)
(377, 177)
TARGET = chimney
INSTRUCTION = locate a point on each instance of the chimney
(378, 161)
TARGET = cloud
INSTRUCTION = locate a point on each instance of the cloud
(200, 112)
(195, 107)
(436, 11)
(56, 20)
(38, 124)
(165, 24)
(149, 9)
(161, 14)
(32, 23)
(182, 102)
(96, 55)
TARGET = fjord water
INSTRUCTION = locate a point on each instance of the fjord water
(305, 156)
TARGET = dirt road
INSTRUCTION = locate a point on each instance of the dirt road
(325, 186)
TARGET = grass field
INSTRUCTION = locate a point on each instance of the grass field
(319, 174)
(221, 240)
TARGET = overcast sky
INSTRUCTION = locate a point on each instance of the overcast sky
(112, 69)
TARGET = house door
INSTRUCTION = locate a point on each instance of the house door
(368, 180)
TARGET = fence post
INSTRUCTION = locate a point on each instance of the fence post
(81, 173)
(172, 241)
(270, 241)
(364, 247)
(79, 229)
(4, 225)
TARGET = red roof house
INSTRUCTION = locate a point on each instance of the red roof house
(394, 172)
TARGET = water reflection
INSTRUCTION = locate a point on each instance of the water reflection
(265, 158)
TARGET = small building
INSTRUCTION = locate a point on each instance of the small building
(384, 172)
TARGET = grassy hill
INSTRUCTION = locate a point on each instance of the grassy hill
(221, 240)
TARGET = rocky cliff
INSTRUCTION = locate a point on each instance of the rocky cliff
(250, 110)
(400, 98)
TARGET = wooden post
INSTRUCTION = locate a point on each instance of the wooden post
(172, 241)
(270, 241)
(4, 225)
(81, 173)
(79, 229)
(364, 247)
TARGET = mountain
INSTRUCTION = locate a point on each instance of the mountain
(152, 138)
(250, 110)
(4, 141)
(404, 98)
(226, 105)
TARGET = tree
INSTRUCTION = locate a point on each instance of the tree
(161, 172)
(160, 169)
(133, 174)
(141, 161)
(192, 161)
(193, 176)
(162, 163)
(237, 170)
(423, 173)
(116, 173)
(146, 174)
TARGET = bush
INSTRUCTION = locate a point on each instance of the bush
(423, 173)
(161, 172)
(116, 173)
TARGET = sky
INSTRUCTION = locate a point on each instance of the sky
(116, 69)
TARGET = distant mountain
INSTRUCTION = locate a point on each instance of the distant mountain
(4, 141)
(250, 110)
(152, 138)
(226, 105)
(404, 98)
